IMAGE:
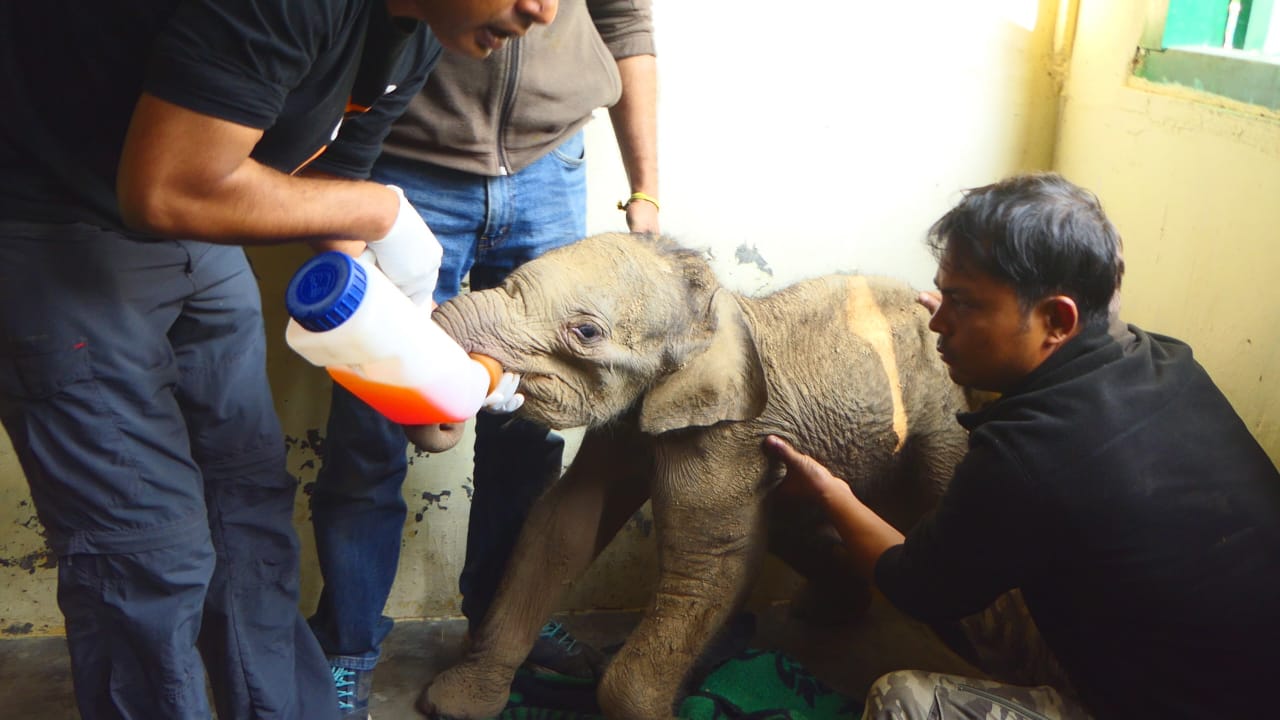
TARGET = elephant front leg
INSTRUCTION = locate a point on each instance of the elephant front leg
(566, 528)
(709, 550)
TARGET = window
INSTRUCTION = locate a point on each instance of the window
(1225, 47)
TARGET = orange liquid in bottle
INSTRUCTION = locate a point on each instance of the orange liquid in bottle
(399, 404)
(405, 405)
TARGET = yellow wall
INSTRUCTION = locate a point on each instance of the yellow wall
(1193, 184)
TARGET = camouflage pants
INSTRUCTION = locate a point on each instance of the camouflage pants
(919, 695)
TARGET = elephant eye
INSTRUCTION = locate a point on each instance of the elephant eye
(587, 331)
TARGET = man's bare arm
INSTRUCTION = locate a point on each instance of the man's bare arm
(184, 174)
(635, 124)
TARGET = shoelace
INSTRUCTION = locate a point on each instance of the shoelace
(555, 631)
(342, 681)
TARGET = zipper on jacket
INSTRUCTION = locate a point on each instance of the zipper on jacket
(508, 101)
(1002, 702)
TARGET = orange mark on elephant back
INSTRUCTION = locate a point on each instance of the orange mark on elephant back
(867, 321)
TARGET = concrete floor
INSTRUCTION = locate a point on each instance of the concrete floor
(35, 679)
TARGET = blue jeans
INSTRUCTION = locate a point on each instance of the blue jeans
(488, 226)
(133, 386)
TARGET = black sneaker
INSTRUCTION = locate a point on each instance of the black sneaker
(558, 652)
(354, 688)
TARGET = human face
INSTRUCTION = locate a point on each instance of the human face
(984, 337)
(477, 27)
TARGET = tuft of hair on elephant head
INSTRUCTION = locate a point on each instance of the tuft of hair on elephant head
(678, 380)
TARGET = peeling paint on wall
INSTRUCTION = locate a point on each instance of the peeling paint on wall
(311, 447)
(642, 522)
(31, 561)
(417, 455)
(42, 558)
(313, 443)
(436, 499)
(751, 256)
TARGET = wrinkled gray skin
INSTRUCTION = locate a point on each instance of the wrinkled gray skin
(678, 381)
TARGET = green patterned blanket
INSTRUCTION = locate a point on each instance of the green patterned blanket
(751, 685)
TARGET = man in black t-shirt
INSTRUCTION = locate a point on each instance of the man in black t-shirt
(1111, 483)
(143, 142)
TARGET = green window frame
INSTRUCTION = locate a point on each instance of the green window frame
(1225, 47)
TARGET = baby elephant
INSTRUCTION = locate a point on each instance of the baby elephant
(678, 380)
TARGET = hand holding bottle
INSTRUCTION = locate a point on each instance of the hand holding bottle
(409, 255)
(349, 318)
(504, 398)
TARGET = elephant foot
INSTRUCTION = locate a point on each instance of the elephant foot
(635, 688)
(467, 691)
(728, 641)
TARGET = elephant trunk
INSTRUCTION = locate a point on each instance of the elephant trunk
(470, 319)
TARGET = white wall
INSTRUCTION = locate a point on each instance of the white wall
(829, 135)
(820, 136)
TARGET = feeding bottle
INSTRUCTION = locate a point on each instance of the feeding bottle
(347, 317)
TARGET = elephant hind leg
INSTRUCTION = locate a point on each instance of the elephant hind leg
(1004, 642)
(831, 605)
(834, 593)
(926, 465)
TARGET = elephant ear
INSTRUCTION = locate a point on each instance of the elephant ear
(723, 380)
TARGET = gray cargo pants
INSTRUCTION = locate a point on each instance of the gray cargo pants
(919, 695)
(1027, 682)
(133, 388)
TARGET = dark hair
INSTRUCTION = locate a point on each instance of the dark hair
(1039, 233)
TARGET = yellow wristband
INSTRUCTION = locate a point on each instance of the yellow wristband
(622, 205)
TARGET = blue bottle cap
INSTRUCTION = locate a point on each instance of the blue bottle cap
(325, 291)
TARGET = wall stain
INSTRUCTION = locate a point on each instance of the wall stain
(31, 562)
(642, 523)
(39, 559)
(436, 499)
(751, 256)
(18, 629)
(312, 442)
(418, 454)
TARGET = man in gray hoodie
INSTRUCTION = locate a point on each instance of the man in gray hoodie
(491, 154)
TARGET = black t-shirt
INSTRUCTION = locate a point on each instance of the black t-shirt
(1125, 497)
(292, 68)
